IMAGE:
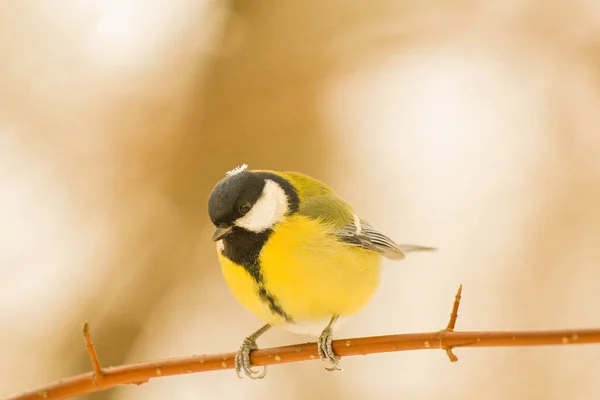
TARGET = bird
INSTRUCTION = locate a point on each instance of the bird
(296, 255)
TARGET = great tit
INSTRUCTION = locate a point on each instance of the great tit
(295, 255)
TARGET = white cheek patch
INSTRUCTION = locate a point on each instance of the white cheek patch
(268, 210)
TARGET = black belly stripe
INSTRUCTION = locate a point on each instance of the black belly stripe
(243, 248)
(273, 303)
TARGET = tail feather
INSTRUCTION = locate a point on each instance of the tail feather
(397, 253)
(409, 248)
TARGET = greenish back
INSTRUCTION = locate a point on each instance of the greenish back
(318, 201)
(305, 185)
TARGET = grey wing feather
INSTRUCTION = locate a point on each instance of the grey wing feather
(368, 237)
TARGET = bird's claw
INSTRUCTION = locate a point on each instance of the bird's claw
(242, 361)
(325, 350)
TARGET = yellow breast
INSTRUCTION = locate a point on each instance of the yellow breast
(309, 273)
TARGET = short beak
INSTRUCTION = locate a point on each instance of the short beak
(223, 230)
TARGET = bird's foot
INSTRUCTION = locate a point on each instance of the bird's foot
(242, 360)
(325, 350)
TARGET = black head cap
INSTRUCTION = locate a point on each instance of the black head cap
(228, 195)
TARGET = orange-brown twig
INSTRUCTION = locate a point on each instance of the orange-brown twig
(454, 313)
(98, 374)
(445, 339)
(451, 324)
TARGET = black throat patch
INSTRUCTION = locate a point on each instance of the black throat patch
(243, 248)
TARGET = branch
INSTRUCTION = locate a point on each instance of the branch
(446, 339)
(97, 374)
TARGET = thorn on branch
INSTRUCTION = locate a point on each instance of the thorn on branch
(454, 313)
(451, 324)
(91, 349)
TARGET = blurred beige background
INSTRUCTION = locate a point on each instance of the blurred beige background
(470, 125)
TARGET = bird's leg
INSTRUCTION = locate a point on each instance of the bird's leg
(326, 350)
(242, 358)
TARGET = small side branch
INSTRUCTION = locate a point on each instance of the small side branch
(447, 339)
(91, 349)
(454, 313)
(450, 327)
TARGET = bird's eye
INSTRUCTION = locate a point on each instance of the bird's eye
(244, 208)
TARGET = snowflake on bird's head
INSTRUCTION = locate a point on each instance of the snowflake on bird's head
(236, 170)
